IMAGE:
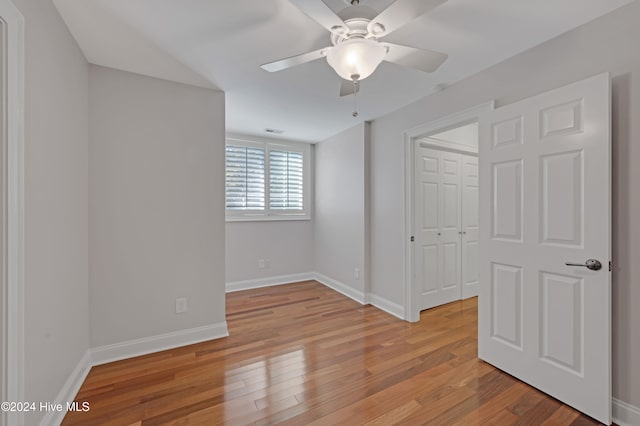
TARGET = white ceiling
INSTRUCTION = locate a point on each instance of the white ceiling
(222, 43)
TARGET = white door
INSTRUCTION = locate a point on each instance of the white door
(545, 199)
(438, 225)
(470, 220)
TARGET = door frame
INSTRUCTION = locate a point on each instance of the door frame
(458, 119)
(12, 332)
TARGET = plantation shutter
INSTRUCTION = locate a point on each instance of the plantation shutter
(245, 178)
(286, 180)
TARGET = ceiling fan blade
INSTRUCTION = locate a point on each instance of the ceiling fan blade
(283, 64)
(320, 12)
(400, 13)
(423, 60)
(346, 89)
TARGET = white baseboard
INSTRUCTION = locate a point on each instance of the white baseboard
(69, 391)
(351, 293)
(360, 297)
(469, 291)
(387, 306)
(268, 282)
(625, 414)
(147, 345)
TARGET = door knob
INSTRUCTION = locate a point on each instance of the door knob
(592, 264)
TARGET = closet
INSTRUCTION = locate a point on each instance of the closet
(446, 226)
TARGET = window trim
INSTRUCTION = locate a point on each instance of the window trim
(268, 214)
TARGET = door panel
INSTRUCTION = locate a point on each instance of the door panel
(450, 204)
(506, 132)
(450, 265)
(438, 231)
(427, 240)
(470, 227)
(507, 195)
(561, 321)
(430, 267)
(561, 198)
(545, 200)
(506, 304)
(451, 214)
(429, 206)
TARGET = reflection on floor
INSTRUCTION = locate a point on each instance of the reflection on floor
(302, 353)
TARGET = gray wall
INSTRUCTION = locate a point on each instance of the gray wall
(156, 211)
(287, 245)
(607, 44)
(341, 201)
(56, 201)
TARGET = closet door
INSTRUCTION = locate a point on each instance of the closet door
(470, 219)
(438, 221)
(451, 221)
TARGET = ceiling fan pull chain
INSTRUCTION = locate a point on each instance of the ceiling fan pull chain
(355, 102)
(355, 95)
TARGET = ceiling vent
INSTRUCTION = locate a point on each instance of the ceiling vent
(274, 131)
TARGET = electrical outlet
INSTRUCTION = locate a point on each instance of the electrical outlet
(356, 273)
(181, 305)
(261, 263)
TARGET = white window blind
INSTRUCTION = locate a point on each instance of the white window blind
(245, 178)
(286, 180)
(267, 180)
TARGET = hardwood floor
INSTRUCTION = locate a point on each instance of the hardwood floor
(303, 354)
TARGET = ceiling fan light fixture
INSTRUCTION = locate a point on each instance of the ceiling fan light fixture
(357, 56)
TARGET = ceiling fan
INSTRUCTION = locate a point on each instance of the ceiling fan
(357, 50)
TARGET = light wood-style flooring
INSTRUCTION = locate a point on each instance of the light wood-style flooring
(303, 354)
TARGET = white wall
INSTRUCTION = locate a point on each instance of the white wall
(341, 197)
(56, 202)
(287, 246)
(464, 137)
(156, 215)
(563, 60)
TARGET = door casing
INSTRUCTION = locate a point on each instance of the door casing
(12, 139)
(467, 116)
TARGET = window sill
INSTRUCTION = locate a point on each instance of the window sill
(259, 218)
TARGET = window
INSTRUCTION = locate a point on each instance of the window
(245, 178)
(266, 180)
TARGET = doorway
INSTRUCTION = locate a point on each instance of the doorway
(446, 216)
(456, 138)
(544, 308)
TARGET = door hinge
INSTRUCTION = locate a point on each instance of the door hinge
(610, 269)
(413, 238)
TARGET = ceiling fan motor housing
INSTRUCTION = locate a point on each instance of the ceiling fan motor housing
(357, 29)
